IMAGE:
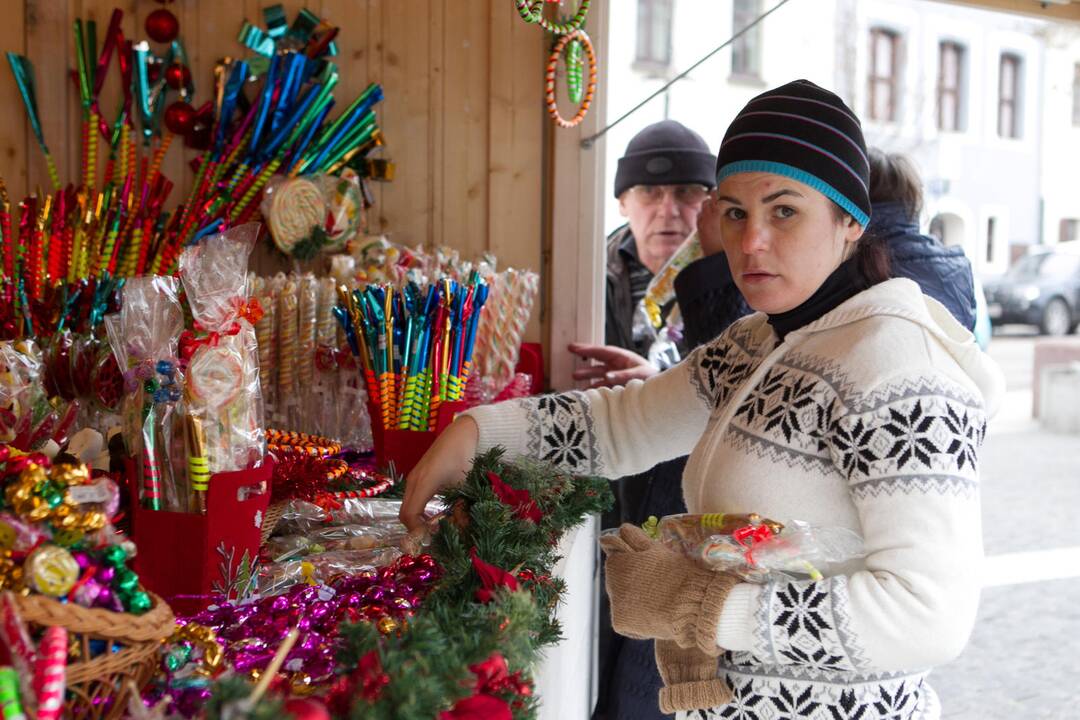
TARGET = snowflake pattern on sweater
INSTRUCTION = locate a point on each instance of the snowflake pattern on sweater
(870, 426)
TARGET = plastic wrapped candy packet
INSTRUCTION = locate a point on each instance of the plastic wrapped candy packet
(144, 336)
(332, 538)
(222, 391)
(275, 578)
(756, 548)
(302, 517)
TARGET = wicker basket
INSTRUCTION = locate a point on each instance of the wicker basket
(271, 519)
(99, 687)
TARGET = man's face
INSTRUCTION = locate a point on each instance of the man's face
(661, 217)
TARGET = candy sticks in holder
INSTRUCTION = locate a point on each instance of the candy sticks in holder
(415, 346)
(223, 395)
(144, 337)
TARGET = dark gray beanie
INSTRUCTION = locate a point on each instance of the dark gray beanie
(665, 153)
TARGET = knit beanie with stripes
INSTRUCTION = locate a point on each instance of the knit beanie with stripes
(806, 133)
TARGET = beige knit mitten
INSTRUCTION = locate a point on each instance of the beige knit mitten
(690, 679)
(658, 593)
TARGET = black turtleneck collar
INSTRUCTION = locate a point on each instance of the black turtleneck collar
(842, 284)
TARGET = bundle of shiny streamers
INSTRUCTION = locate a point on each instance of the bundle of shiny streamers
(267, 115)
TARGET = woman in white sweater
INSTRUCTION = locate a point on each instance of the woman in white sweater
(847, 400)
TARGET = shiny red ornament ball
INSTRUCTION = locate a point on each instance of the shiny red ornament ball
(162, 26)
(178, 76)
(179, 117)
(307, 709)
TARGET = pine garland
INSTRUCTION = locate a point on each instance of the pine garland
(425, 669)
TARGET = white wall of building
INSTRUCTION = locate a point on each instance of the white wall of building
(1026, 185)
(708, 100)
(1061, 137)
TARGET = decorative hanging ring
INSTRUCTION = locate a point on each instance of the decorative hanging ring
(532, 12)
(578, 36)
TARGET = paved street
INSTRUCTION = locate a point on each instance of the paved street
(1023, 660)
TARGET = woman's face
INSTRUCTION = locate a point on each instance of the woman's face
(782, 238)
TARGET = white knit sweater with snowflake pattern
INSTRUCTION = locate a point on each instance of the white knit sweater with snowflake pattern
(869, 418)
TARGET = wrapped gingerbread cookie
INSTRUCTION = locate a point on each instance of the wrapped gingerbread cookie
(222, 393)
(755, 547)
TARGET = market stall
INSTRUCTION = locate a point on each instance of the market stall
(254, 260)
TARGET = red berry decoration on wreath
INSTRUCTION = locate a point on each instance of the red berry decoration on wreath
(162, 26)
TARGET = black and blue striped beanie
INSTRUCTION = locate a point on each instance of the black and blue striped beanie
(806, 133)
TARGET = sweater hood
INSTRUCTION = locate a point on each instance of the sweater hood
(903, 298)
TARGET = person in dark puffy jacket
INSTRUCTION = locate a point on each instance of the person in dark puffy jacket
(896, 198)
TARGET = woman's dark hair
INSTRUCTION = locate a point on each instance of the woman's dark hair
(872, 256)
(893, 178)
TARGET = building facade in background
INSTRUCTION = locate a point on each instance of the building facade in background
(987, 104)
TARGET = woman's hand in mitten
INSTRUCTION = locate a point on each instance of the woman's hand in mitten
(658, 593)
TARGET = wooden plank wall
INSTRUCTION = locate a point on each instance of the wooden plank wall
(463, 115)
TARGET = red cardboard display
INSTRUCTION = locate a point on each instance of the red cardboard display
(405, 447)
(187, 558)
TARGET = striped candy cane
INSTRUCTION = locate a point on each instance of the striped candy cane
(49, 673)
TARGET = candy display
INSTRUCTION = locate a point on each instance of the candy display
(227, 419)
(756, 548)
(307, 374)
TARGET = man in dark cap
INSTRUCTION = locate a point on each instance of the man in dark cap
(661, 182)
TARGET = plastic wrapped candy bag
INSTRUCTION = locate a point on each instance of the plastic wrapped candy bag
(223, 392)
(756, 548)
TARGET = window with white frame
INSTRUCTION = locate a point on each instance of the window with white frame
(746, 49)
(654, 18)
(1076, 95)
(883, 75)
(950, 87)
(1070, 230)
(1009, 101)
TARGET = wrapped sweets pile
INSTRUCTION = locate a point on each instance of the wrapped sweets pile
(68, 592)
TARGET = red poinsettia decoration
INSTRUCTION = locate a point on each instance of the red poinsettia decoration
(479, 707)
(366, 681)
(493, 682)
(524, 506)
(491, 578)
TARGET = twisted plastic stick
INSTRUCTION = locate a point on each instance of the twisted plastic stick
(260, 182)
(131, 253)
(85, 134)
(159, 158)
(54, 176)
(288, 340)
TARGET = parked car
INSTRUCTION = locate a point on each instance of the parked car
(1042, 288)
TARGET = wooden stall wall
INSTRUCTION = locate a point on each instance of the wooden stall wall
(463, 116)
